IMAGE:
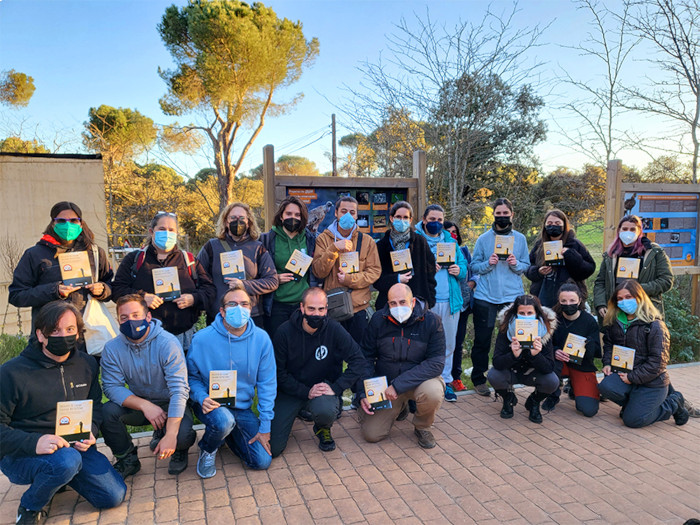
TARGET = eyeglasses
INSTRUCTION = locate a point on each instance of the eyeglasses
(74, 220)
(233, 304)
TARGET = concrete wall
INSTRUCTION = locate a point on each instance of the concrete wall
(29, 186)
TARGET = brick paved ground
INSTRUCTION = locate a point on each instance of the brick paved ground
(484, 470)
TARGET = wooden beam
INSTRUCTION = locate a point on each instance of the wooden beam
(419, 169)
(613, 201)
(269, 184)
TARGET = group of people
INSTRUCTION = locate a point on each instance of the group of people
(291, 354)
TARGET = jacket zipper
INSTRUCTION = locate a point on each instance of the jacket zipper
(63, 383)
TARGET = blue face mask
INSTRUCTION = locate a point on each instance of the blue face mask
(134, 329)
(629, 306)
(433, 227)
(165, 240)
(346, 222)
(527, 316)
(237, 316)
(401, 225)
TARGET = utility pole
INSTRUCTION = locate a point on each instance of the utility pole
(335, 158)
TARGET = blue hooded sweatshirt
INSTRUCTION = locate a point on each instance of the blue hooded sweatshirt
(251, 354)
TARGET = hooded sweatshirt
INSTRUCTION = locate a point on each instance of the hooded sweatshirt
(251, 354)
(154, 369)
(305, 359)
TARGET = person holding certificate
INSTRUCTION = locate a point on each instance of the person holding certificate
(640, 385)
(556, 257)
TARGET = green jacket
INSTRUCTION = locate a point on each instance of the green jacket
(655, 276)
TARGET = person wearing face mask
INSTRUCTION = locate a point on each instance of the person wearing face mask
(289, 233)
(645, 392)
(135, 276)
(402, 236)
(655, 274)
(234, 342)
(237, 230)
(343, 236)
(576, 264)
(572, 318)
(48, 371)
(151, 362)
(514, 363)
(500, 282)
(37, 279)
(310, 350)
(405, 342)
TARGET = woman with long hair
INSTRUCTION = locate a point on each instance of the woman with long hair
(641, 386)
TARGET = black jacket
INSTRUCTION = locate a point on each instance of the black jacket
(578, 265)
(31, 385)
(542, 363)
(38, 274)
(407, 354)
(651, 342)
(423, 282)
(305, 359)
(174, 320)
(585, 326)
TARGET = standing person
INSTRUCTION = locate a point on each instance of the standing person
(402, 236)
(234, 342)
(467, 286)
(513, 363)
(289, 233)
(448, 292)
(500, 282)
(237, 230)
(135, 275)
(50, 370)
(310, 350)
(572, 318)
(577, 264)
(655, 274)
(343, 236)
(151, 362)
(37, 279)
(645, 392)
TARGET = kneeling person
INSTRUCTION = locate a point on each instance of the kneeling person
(233, 342)
(405, 342)
(151, 361)
(310, 349)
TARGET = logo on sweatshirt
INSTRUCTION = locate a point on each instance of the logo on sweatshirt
(321, 353)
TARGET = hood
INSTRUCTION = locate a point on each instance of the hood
(155, 329)
(417, 314)
(551, 317)
(444, 234)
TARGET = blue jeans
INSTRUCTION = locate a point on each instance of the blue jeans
(642, 405)
(89, 473)
(236, 427)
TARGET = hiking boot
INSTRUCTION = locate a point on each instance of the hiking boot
(458, 386)
(482, 389)
(533, 405)
(30, 516)
(425, 438)
(206, 464)
(305, 415)
(178, 462)
(550, 403)
(129, 464)
(157, 436)
(509, 401)
(680, 415)
(325, 440)
(450, 395)
(403, 414)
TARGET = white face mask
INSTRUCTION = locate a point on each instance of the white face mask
(628, 237)
(401, 313)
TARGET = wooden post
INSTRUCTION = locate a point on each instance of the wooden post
(695, 294)
(269, 184)
(334, 156)
(419, 168)
(612, 201)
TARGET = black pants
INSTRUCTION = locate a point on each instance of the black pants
(118, 439)
(484, 322)
(459, 341)
(281, 312)
(357, 325)
(324, 411)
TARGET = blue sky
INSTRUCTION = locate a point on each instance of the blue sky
(91, 52)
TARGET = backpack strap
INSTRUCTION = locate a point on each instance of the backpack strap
(138, 262)
(191, 265)
(359, 243)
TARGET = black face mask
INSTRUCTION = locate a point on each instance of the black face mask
(238, 227)
(554, 230)
(61, 345)
(315, 321)
(569, 309)
(291, 224)
(502, 222)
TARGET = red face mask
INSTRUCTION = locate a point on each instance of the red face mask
(454, 235)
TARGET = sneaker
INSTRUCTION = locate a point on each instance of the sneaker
(355, 402)
(681, 415)
(325, 440)
(178, 462)
(157, 436)
(30, 516)
(305, 415)
(206, 464)
(482, 389)
(534, 407)
(450, 394)
(129, 464)
(458, 386)
(693, 411)
(403, 414)
(549, 403)
(425, 438)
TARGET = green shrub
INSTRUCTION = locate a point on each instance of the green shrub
(11, 346)
(683, 326)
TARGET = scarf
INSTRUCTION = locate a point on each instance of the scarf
(399, 240)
